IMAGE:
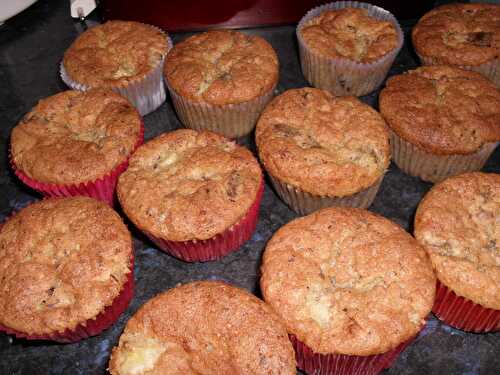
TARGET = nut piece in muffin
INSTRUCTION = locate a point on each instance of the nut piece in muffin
(444, 120)
(458, 224)
(347, 281)
(74, 138)
(204, 327)
(221, 80)
(187, 187)
(63, 262)
(121, 55)
(463, 35)
(322, 150)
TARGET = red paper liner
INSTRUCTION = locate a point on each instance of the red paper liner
(462, 313)
(102, 189)
(341, 364)
(218, 246)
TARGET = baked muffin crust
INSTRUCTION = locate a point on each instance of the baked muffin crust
(62, 262)
(115, 53)
(458, 223)
(75, 137)
(459, 34)
(187, 185)
(347, 281)
(349, 33)
(204, 328)
(442, 109)
(222, 67)
(324, 145)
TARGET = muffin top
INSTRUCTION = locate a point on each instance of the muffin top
(75, 136)
(115, 53)
(348, 281)
(187, 185)
(62, 262)
(350, 33)
(204, 327)
(441, 109)
(459, 34)
(222, 67)
(325, 145)
(458, 222)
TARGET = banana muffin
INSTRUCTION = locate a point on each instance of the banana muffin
(76, 143)
(195, 194)
(204, 327)
(221, 80)
(352, 287)
(66, 269)
(444, 120)
(458, 224)
(320, 150)
(462, 35)
(124, 56)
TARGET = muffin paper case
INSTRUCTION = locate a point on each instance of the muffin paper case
(305, 203)
(146, 93)
(342, 76)
(230, 120)
(462, 313)
(432, 167)
(340, 364)
(102, 189)
(219, 245)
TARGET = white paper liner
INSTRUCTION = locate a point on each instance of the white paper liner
(146, 93)
(342, 76)
(305, 203)
(433, 167)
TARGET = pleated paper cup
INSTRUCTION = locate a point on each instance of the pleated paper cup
(342, 76)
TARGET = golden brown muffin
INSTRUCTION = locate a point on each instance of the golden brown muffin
(222, 67)
(204, 327)
(347, 281)
(349, 33)
(115, 53)
(74, 137)
(324, 145)
(62, 262)
(187, 185)
(458, 223)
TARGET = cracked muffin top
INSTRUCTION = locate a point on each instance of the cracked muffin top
(74, 137)
(458, 222)
(459, 34)
(322, 144)
(115, 53)
(350, 33)
(211, 328)
(222, 67)
(62, 262)
(347, 281)
(187, 185)
(442, 109)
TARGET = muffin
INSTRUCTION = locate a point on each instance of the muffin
(195, 194)
(458, 224)
(347, 47)
(76, 143)
(124, 56)
(320, 150)
(212, 328)
(352, 287)
(444, 121)
(463, 35)
(221, 80)
(66, 269)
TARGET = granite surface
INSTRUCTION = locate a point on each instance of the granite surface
(31, 47)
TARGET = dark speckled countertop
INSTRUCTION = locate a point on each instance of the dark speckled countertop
(31, 47)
